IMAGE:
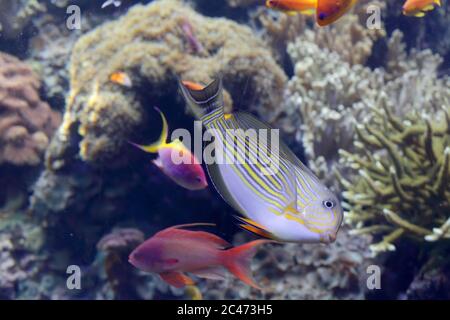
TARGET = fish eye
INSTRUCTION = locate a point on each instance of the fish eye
(322, 16)
(198, 179)
(328, 204)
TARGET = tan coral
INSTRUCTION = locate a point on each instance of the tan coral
(327, 93)
(26, 122)
(149, 44)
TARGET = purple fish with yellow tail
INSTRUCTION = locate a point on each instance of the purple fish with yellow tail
(175, 251)
(175, 160)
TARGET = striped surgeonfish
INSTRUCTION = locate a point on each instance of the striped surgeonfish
(277, 196)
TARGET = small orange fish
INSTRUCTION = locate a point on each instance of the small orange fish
(174, 251)
(328, 11)
(417, 8)
(121, 78)
(292, 7)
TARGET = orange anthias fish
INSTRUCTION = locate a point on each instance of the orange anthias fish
(417, 8)
(175, 251)
(121, 78)
(176, 161)
(328, 11)
(293, 6)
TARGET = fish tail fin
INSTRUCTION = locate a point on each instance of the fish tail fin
(154, 147)
(438, 2)
(207, 103)
(237, 260)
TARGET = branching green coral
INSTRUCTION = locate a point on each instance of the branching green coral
(403, 172)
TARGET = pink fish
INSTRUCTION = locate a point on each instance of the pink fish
(176, 161)
(174, 251)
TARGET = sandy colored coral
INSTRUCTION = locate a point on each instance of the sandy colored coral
(149, 44)
(321, 98)
(26, 122)
(329, 90)
(49, 51)
(402, 183)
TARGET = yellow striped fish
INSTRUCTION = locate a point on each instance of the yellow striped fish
(277, 196)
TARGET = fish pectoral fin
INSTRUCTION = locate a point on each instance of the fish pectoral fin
(291, 13)
(213, 273)
(255, 228)
(419, 14)
(176, 279)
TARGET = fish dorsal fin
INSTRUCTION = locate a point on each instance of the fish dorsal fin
(176, 279)
(207, 237)
(211, 238)
(205, 101)
(182, 226)
(213, 273)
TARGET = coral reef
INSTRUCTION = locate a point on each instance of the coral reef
(16, 14)
(116, 247)
(325, 93)
(104, 115)
(332, 86)
(291, 271)
(421, 33)
(21, 256)
(26, 122)
(402, 181)
(49, 50)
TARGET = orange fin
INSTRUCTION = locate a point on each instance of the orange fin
(237, 260)
(176, 279)
(193, 85)
(255, 228)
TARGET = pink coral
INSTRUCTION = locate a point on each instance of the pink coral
(26, 122)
